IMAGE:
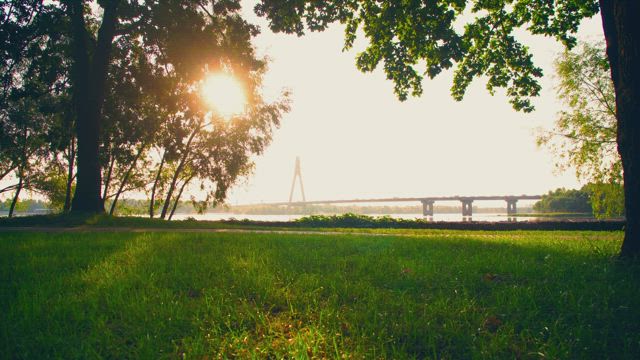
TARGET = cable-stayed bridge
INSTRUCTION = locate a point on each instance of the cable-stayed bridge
(427, 202)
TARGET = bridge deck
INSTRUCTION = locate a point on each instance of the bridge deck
(414, 199)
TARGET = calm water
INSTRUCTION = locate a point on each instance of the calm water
(436, 217)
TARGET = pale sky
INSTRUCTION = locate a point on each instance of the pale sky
(356, 140)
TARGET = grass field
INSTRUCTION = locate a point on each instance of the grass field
(420, 294)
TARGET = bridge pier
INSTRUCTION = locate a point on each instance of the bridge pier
(467, 207)
(427, 207)
(511, 206)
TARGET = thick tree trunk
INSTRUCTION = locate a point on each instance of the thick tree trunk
(70, 176)
(86, 198)
(89, 75)
(622, 29)
(155, 184)
(124, 181)
(15, 197)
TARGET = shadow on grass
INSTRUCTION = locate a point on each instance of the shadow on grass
(37, 272)
(72, 220)
(275, 295)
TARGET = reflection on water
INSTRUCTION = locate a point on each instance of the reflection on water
(435, 217)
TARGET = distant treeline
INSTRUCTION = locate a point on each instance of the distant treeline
(563, 200)
(601, 200)
(25, 206)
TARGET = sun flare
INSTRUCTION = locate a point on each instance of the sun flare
(224, 94)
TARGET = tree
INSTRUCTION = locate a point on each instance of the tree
(23, 140)
(584, 136)
(607, 199)
(198, 145)
(131, 120)
(415, 37)
(222, 153)
(564, 201)
(34, 91)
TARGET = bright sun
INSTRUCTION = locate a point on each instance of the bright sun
(224, 94)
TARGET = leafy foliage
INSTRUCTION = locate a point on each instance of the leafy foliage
(564, 201)
(413, 39)
(584, 136)
(607, 199)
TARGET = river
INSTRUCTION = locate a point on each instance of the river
(436, 217)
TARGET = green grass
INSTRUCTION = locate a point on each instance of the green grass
(425, 294)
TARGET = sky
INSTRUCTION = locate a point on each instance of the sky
(356, 140)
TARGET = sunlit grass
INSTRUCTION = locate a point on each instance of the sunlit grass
(425, 294)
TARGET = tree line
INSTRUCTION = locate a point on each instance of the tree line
(571, 201)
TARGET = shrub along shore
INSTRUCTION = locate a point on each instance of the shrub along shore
(309, 222)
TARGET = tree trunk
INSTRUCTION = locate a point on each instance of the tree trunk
(15, 197)
(20, 172)
(107, 181)
(175, 204)
(183, 160)
(621, 29)
(155, 184)
(70, 176)
(125, 178)
(172, 186)
(89, 82)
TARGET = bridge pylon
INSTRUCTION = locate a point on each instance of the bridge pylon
(427, 207)
(467, 207)
(297, 174)
(511, 206)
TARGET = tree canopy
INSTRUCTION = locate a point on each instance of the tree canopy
(564, 201)
(414, 39)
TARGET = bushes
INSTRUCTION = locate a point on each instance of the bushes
(564, 201)
(355, 221)
(603, 200)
